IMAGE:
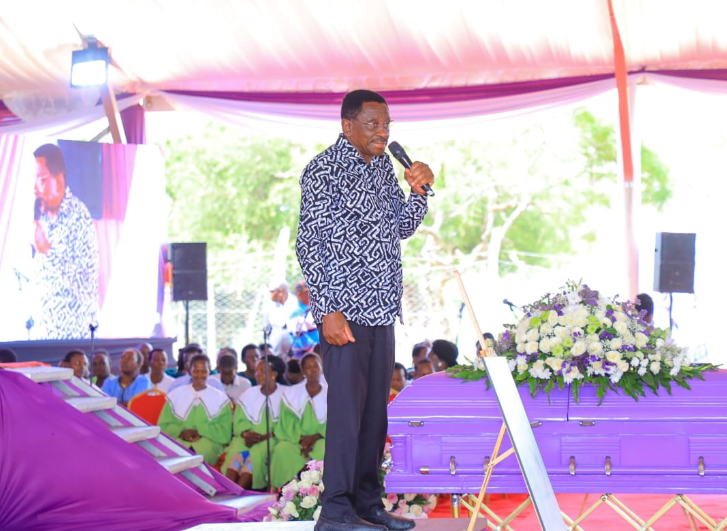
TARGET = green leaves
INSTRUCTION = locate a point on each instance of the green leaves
(631, 383)
(466, 373)
(233, 192)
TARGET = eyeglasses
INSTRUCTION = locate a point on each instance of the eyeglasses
(375, 126)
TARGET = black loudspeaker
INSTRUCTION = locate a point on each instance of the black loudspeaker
(674, 262)
(189, 271)
(189, 256)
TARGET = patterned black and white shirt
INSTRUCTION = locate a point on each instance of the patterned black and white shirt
(352, 218)
(67, 275)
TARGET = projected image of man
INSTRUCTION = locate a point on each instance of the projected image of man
(65, 250)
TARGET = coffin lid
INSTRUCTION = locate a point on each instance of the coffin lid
(441, 398)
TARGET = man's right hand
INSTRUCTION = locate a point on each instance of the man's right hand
(42, 245)
(336, 329)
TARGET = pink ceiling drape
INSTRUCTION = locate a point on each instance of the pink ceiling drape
(273, 109)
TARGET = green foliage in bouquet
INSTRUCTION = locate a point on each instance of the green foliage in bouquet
(577, 336)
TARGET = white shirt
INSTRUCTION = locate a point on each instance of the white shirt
(186, 379)
(253, 403)
(296, 398)
(164, 385)
(277, 317)
(184, 398)
(238, 386)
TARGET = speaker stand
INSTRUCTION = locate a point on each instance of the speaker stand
(671, 304)
(186, 322)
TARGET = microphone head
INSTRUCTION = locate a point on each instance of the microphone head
(399, 154)
(396, 149)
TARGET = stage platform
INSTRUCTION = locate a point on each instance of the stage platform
(424, 524)
(52, 351)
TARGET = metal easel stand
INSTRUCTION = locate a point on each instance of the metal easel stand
(478, 509)
(692, 512)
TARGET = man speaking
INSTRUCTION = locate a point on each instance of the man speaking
(353, 215)
(66, 252)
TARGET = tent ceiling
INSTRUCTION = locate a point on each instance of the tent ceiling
(336, 45)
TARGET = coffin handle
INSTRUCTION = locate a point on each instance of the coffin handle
(608, 465)
(701, 465)
(452, 465)
(572, 466)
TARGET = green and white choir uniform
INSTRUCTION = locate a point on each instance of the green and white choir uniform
(208, 411)
(300, 414)
(250, 415)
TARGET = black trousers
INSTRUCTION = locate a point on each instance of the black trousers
(359, 379)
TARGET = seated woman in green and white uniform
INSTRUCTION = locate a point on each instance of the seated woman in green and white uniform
(198, 416)
(247, 456)
(301, 430)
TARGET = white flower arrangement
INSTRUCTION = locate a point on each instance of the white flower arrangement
(578, 336)
(301, 498)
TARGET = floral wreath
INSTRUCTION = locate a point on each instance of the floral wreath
(577, 336)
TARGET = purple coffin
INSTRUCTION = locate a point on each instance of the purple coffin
(443, 430)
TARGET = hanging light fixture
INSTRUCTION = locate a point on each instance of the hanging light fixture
(89, 67)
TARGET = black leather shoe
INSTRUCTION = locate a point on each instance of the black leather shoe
(392, 522)
(353, 523)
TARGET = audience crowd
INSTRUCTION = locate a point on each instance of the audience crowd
(264, 409)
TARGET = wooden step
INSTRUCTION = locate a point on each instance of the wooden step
(132, 434)
(243, 504)
(45, 374)
(178, 463)
(87, 404)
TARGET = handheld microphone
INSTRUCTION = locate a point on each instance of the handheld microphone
(511, 305)
(37, 210)
(400, 155)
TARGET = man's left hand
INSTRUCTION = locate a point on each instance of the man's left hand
(418, 175)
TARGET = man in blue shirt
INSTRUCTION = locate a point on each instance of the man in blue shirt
(130, 383)
(353, 215)
(301, 325)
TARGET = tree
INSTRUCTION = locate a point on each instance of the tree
(516, 200)
(522, 199)
(234, 192)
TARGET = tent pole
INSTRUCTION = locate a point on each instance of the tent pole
(118, 135)
(632, 259)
